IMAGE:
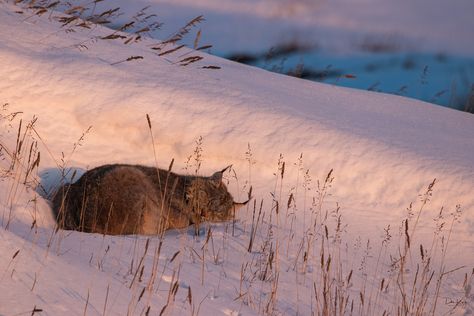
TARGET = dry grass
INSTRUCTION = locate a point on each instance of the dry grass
(320, 256)
(79, 16)
(394, 275)
(275, 249)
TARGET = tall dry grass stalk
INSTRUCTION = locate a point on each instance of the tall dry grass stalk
(19, 164)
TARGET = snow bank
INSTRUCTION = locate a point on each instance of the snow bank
(384, 150)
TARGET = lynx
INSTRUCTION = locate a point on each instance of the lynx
(133, 199)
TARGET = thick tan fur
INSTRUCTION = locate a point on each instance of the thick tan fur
(134, 199)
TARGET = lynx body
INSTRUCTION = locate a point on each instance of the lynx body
(133, 199)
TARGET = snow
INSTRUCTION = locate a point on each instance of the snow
(340, 24)
(420, 49)
(385, 150)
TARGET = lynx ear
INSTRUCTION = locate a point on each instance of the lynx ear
(217, 177)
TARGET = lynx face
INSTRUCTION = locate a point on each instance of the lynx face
(209, 200)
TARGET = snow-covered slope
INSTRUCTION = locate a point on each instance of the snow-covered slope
(421, 49)
(384, 150)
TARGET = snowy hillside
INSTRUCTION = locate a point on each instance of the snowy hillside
(421, 49)
(326, 241)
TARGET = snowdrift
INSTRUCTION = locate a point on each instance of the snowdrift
(384, 152)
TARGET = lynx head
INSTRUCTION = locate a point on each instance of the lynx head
(209, 199)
